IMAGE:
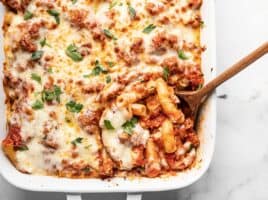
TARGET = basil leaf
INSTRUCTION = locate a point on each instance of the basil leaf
(55, 14)
(74, 107)
(109, 34)
(182, 55)
(74, 1)
(72, 52)
(165, 73)
(36, 77)
(38, 105)
(77, 141)
(132, 12)
(27, 15)
(149, 29)
(129, 125)
(108, 125)
(37, 55)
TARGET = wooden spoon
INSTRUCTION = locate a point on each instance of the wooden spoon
(195, 99)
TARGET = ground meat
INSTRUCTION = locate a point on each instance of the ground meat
(152, 122)
(195, 4)
(162, 41)
(45, 3)
(15, 5)
(98, 34)
(193, 138)
(172, 64)
(93, 87)
(85, 49)
(89, 121)
(27, 44)
(128, 58)
(154, 9)
(78, 17)
(137, 46)
(29, 34)
(13, 136)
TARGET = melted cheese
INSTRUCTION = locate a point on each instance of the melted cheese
(71, 76)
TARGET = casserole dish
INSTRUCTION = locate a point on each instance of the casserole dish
(206, 132)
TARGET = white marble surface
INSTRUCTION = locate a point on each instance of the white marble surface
(239, 169)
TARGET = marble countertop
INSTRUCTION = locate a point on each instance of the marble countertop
(239, 169)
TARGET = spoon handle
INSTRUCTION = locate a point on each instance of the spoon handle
(233, 70)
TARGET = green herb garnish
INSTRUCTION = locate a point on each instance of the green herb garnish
(165, 73)
(182, 55)
(55, 14)
(73, 53)
(111, 64)
(108, 79)
(77, 141)
(22, 148)
(43, 42)
(38, 105)
(50, 70)
(50, 95)
(149, 29)
(131, 11)
(37, 55)
(129, 125)
(27, 15)
(74, 107)
(98, 69)
(74, 1)
(36, 77)
(108, 125)
(112, 4)
(109, 34)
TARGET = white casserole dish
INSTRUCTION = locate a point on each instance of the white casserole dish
(207, 133)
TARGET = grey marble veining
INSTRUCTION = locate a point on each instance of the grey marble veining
(239, 169)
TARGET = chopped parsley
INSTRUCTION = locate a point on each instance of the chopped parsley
(38, 105)
(50, 95)
(182, 55)
(73, 53)
(165, 73)
(74, 1)
(112, 4)
(108, 124)
(55, 14)
(36, 77)
(111, 64)
(109, 34)
(37, 55)
(77, 141)
(108, 79)
(149, 29)
(131, 11)
(74, 107)
(22, 148)
(27, 15)
(129, 125)
(43, 42)
(50, 70)
(98, 69)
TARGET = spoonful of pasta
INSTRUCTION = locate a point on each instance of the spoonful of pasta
(195, 99)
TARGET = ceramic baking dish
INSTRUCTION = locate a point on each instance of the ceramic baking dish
(135, 187)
